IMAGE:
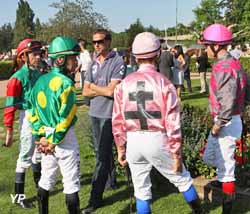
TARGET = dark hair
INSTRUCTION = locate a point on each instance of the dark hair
(83, 42)
(179, 50)
(16, 65)
(104, 32)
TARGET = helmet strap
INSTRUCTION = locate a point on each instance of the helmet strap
(215, 52)
(62, 65)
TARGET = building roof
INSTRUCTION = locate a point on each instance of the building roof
(179, 37)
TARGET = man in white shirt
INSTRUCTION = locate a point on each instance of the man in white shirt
(84, 60)
(236, 52)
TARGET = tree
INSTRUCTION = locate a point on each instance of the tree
(75, 18)
(244, 24)
(237, 16)
(119, 40)
(24, 25)
(154, 30)
(171, 31)
(38, 28)
(6, 37)
(207, 13)
(133, 30)
(233, 10)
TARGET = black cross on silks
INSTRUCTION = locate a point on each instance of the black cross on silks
(141, 96)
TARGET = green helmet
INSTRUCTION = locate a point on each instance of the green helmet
(63, 46)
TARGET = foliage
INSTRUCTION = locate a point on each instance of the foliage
(5, 69)
(233, 10)
(38, 27)
(244, 25)
(24, 26)
(6, 37)
(133, 30)
(154, 30)
(74, 18)
(207, 13)
(125, 39)
(245, 62)
(196, 124)
(236, 15)
(242, 154)
(119, 40)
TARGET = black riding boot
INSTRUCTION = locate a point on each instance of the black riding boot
(43, 201)
(19, 190)
(195, 206)
(72, 202)
(227, 203)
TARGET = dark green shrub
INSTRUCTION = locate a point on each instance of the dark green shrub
(242, 154)
(193, 66)
(5, 69)
(245, 61)
(196, 124)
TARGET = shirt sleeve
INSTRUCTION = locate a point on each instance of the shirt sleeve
(226, 95)
(118, 71)
(118, 121)
(172, 121)
(67, 114)
(13, 100)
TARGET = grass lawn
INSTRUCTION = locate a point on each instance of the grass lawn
(195, 98)
(166, 199)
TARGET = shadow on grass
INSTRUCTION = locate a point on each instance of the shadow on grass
(195, 96)
(161, 187)
(85, 179)
(213, 198)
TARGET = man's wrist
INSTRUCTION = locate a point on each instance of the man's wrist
(177, 155)
(121, 149)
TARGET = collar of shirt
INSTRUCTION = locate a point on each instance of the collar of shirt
(56, 69)
(224, 57)
(111, 54)
(146, 66)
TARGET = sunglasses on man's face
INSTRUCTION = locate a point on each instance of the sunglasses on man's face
(98, 42)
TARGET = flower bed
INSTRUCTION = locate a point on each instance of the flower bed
(196, 124)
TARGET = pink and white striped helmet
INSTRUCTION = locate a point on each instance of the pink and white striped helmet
(146, 45)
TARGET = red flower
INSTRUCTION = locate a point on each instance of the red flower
(238, 152)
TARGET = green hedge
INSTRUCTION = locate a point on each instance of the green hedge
(5, 69)
(245, 61)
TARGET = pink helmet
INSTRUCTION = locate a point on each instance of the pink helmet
(217, 34)
(146, 45)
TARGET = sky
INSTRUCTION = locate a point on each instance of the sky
(120, 13)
